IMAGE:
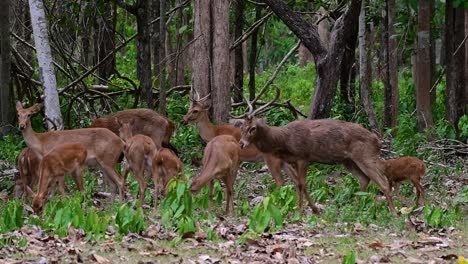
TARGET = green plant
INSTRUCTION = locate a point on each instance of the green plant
(263, 214)
(12, 217)
(349, 258)
(129, 219)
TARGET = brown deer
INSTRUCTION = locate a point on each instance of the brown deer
(63, 159)
(325, 141)
(198, 115)
(220, 160)
(28, 167)
(406, 168)
(166, 165)
(103, 147)
(139, 151)
(146, 122)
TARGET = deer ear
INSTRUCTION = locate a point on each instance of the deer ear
(261, 121)
(36, 107)
(19, 106)
(30, 192)
(117, 121)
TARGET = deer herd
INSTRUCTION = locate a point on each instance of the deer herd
(143, 137)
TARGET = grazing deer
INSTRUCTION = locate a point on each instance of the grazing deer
(103, 147)
(139, 151)
(220, 160)
(198, 115)
(406, 168)
(28, 167)
(146, 122)
(166, 165)
(63, 159)
(326, 141)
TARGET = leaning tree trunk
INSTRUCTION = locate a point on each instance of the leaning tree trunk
(390, 66)
(238, 53)
(365, 69)
(46, 70)
(6, 106)
(162, 53)
(423, 67)
(220, 88)
(326, 61)
(201, 60)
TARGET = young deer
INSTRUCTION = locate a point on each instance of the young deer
(146, 122)
(198, 115)
(103, 147)
(64, 159)
(166, 165)
(326, 141)
(139, 151)
(28, 167)
(406, 168)
(220, 160)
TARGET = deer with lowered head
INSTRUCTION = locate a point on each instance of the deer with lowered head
(68, 158)
(28, 167)
(145, 122)
(198, 115)
(220, 161)
(166, 165)
(139, 151)
(103, 147)
(406, 168)
(325, 141)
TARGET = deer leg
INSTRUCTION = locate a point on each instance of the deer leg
(289, 170)
(139, 171)
(372, 169)
(274, 166)
(229, 193)
(360, 176)
(302, 166)
(111, 174)
(396, 188)
(77, 176)
(419, 192)
(210, 195)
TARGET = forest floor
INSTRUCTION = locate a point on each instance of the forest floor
(297, 242)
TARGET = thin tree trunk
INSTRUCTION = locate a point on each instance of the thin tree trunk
(365, 69)
(144, 51)
(155, 38)
(465, 103)
(253, 56)
(238, 53)
(433, 50)
(423, 67)
(6, 106)
(162, 53)
(106, 23)
(46, 70)
(220, 88)
(179, 66)
(201, 60)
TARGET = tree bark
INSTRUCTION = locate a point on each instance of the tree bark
(423, 67)
(144, 50)
(46, 70)
(220, 88)
(433, 50)
(162, 53)
(156, 58)
(201, 60)
(106, 23)
(253, 55)
(6, 105)
(365, 69)
(326, 61)
(390, 62)
(238, 53)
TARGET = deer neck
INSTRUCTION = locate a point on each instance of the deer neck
(269, 138)
(206, 129)
(32, 140)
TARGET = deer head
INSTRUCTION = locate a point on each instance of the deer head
(198, 107)
(24, 114)
(125, 130)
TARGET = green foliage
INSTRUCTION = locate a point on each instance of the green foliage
(265, 213)
(129, 219)
(12, 216)
(438, 217)
(11, 146)
(349, 258)
(463, 126)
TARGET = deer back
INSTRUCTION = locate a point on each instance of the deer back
(403, 168)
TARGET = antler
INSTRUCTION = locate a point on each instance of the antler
(198, 99)
(251, 113)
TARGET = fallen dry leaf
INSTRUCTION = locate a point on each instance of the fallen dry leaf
(99, 259)
(375, 245)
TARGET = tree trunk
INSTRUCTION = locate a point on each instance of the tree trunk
(162, 53)
(201, 60)
(423, 67)
(144, 51)
(390, 62)
(178, 62)
(220, 88)
(433, 50)
(6, 106)
(155, 38)
(238, 53)
(465, 103)
(46, 70)
(253, 55)
(365, 69)
(106, 23)
(326, 61)
(349, 59)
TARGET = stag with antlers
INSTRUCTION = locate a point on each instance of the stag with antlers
(198, 115)
(325, 141)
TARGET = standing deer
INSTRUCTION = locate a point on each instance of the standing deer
(63, 159)
(220, 160)
(325, 141)
(28, 167)
(198, 115)
(166, 165)
(146, 122)
(139, 151)
(103, 147)
(406, 168)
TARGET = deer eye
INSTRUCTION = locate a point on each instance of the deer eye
(252, 130)
(29, 115)
(195, 111)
